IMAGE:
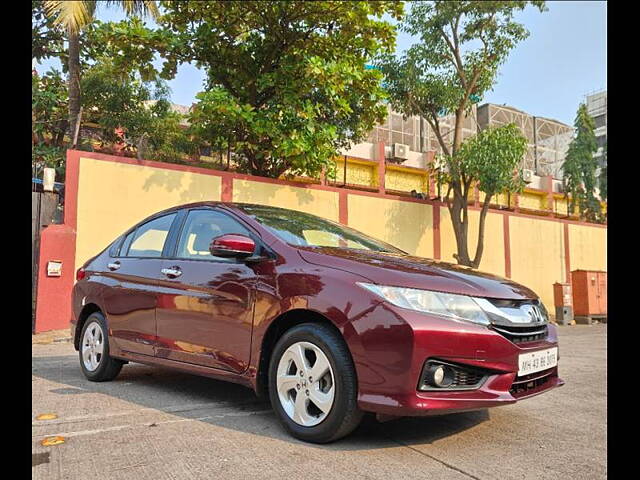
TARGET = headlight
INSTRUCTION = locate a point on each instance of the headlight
(460, 307)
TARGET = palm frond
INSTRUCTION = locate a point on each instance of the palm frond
(136, 7)
(72, 15)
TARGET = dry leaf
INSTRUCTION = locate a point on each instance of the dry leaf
(50, 441)
(47, 416)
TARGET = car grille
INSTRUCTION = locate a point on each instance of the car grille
(522, 334)
(526, 383)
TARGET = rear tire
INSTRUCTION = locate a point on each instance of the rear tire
(96, 363)
(317, 410)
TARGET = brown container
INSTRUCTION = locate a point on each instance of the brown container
(562, 295)
(589, 292)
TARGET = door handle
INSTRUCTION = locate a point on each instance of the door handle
(114, 266)
(172, 272)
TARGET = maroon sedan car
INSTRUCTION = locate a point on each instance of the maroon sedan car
(327, 322)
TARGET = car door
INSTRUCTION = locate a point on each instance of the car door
(131, 294)
(205, 306)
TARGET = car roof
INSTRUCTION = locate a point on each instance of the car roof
(211, 203)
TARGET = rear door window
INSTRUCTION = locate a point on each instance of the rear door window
(124, 248)
(148, 240)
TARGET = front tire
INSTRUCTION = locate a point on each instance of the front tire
(96, 363)
(312, 384)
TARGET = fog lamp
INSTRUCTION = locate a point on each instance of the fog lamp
(439, 375)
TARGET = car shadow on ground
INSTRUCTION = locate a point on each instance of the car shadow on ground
(166, 390)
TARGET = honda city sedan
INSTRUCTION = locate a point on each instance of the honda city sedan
(325, 321)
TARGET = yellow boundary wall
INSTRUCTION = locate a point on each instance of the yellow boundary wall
(115, 193)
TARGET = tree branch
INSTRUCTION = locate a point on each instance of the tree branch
(483, 216)
(433, 122)
(455, 49)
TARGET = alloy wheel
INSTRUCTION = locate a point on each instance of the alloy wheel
(305, 383)
(92, 346)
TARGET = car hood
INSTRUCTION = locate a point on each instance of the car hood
(416, 272)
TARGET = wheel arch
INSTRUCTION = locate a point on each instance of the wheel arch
(86, 311)
(276, 329)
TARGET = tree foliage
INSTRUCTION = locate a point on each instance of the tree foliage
(46, 41)
(70, 18)
(120, 88)
(129, 45)
(116, 101)
(603, 175)
(580, 167)
(48, 121)
(460, 46)
(287, 84)
(491, 157)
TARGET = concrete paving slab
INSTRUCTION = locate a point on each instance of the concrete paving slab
(153, 423)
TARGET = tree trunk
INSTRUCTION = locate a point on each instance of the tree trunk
(458, 210)
(74, 84)
(460, 228)
(141, 147)
(58, 139)
(483, 218)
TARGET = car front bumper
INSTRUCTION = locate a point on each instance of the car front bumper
(391, 356)
(493, 393)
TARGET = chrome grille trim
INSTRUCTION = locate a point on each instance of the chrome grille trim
(522, 334)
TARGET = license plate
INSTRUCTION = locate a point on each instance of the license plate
(537, 361)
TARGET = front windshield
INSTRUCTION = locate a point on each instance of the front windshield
(303, 229)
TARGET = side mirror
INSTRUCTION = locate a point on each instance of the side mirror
(232, 245)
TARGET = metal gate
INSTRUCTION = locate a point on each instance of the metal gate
(45, 210)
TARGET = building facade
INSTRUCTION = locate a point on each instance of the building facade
(597, 108)
(547, 140)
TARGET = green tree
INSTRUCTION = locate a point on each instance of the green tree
(117, 99)
(46, 41)
(491, 159)
(580, 167)
(48, 121)
(287, 83)
(453, 64)
(603, 175)
(128, 45)
(72, 17)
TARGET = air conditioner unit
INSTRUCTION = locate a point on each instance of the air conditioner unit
(400, 151)
(527, 175)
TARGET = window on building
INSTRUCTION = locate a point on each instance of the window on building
(396, 129)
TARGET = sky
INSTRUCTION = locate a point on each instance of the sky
(547, 75)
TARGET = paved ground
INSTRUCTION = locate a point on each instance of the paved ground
(51, 336)
(157, 424)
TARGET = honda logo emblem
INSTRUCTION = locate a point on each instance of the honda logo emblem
(534, 312)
